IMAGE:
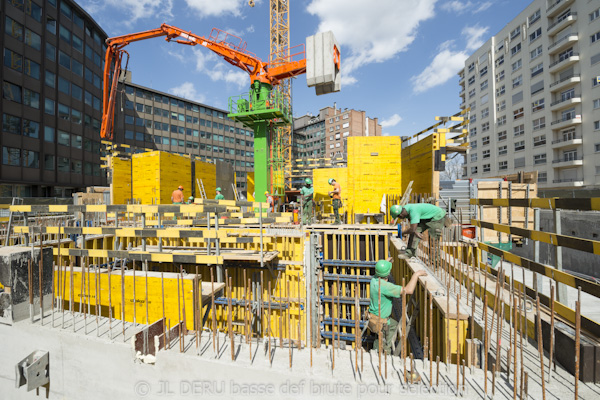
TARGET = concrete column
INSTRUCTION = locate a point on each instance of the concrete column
(561, 289)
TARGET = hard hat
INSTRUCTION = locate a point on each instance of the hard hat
(180, 187)
(266, 193)
(395, 211)
(218, 189)
(383, 268)
(191, 198)
(330, 180)
(308, 181)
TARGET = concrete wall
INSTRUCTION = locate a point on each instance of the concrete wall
(584, 225)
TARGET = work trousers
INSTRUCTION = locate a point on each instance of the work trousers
(337, 204)
(307, 212)
(388, 336)
(435, 229)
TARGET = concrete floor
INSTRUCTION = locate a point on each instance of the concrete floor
(92, 366)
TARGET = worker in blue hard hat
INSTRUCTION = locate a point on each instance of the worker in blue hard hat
(306, 193)
(422, 217)
(380, 314)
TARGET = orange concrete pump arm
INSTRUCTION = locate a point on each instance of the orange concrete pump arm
(228, 46)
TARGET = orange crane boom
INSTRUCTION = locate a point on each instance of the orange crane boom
(230, 47)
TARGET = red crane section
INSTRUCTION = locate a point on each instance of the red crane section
(230, 47)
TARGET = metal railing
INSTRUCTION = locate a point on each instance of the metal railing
(565, 140)
(566, 180)
(573, 14)
(575, 96)
(564, 79)
(574, 119)
(564, 59)
(567, 159)
(564, 38)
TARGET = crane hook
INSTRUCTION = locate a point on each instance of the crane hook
(251, 3)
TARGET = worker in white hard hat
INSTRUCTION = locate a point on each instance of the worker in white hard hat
(270, 201)
(336, 196)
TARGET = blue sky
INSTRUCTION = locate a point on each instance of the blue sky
(399, 57)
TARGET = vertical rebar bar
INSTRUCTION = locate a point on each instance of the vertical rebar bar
(540, 346)
(577, 340)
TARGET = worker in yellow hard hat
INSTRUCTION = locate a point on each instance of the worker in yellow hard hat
(270, 201)
(177, 195)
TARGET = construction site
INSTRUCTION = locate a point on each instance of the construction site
(127, 291)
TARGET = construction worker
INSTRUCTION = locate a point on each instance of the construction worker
(190, 200)
(336, 197)
(177, 195)
(307, 197)
(270, 201)
(389, 291)
(423, 217)
(219, 196)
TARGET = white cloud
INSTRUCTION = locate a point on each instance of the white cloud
(461, 7)
(448, 62)
(391, 121)
(209, 63)
(218, 8)
(384, 29)
(187, 90)
(133, 9)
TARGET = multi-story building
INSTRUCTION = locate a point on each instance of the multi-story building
(53, 54)
(533, 91)
(325, 135)
(162, 121)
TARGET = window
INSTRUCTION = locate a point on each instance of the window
(535, 53)
(501, 105)
(49, 106)
(535, 34)
(517, 65)
(31, 129)
(485, 112)
(31, 98)
(568, 114)
(516, 49)
(473, 131)
(13, 60)
(483, 71)
(596, 103)
(539, 159)
(485, 140)
(471, 80)
(474, 144)
(49, 162)
(64, 60)
(518, 113)
(471, 66)
(11, 92)
(500, 60)
(64, 34)
(537, 105)
(518, 81)
(63, 138)
(75, 166)
(538, 69)
(471, 94)
(595, 14)
(500, 76)
(486, 154)
(484, 99)
(473, 157)
(501, 90)
(595, 37)
(500, 46)
(515, 32)
(539, 124)
(597, 147)
(519, 130)
(484, 85)
(502, 165)
(474, 170)
(78, 43)
(48, 134)
(485, 127)
(567, 94)
(11, 156)
(11, 124)
(520, 145)
(534, 17)
(501, 120)
(64, 85)
(13, 28)
(596, 125)
(595, 81)
(502, 150)
(486, 168)
(32, 69)
(501, 136)
(539, 140)
(33, 39)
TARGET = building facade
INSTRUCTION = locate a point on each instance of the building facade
(52, 63)
(534, 95)
(155, 120)
(325, 135)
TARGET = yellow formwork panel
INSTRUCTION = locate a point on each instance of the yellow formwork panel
(121, 180)
(157, 174)
(418, 165)
(250, 186)
(208, 174)
(322, 187)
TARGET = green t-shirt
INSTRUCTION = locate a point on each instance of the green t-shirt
(306, 191)
(219, 197)
(388, 292)
(419, 211)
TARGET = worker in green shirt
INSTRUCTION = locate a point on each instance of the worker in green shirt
(307, 198)
(423, 217)
(219, 196)
(381, 319)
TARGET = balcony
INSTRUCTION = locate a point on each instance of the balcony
(567, 182)
(563, 43)
(571, 161)
(564, 103)
(565, 123)
(462, 93)
(564, 63)
(463, 105)
(558, 25)
(461, 81)
(569, 142)
(567, 81)
(557, 7)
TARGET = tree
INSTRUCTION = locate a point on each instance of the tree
(454, 168)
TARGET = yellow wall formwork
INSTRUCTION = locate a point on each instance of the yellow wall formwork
(208, 174)
(322, 187)
(418, 164)
(121, 189)
(157, 173)
(374, 169)
(250, 186)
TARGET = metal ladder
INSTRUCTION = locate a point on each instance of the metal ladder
(235, 192)
(16, 201)
(201, 188)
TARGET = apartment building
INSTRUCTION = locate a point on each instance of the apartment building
(52, 60)
(162, 121)
(534, 95)
(325, 135)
